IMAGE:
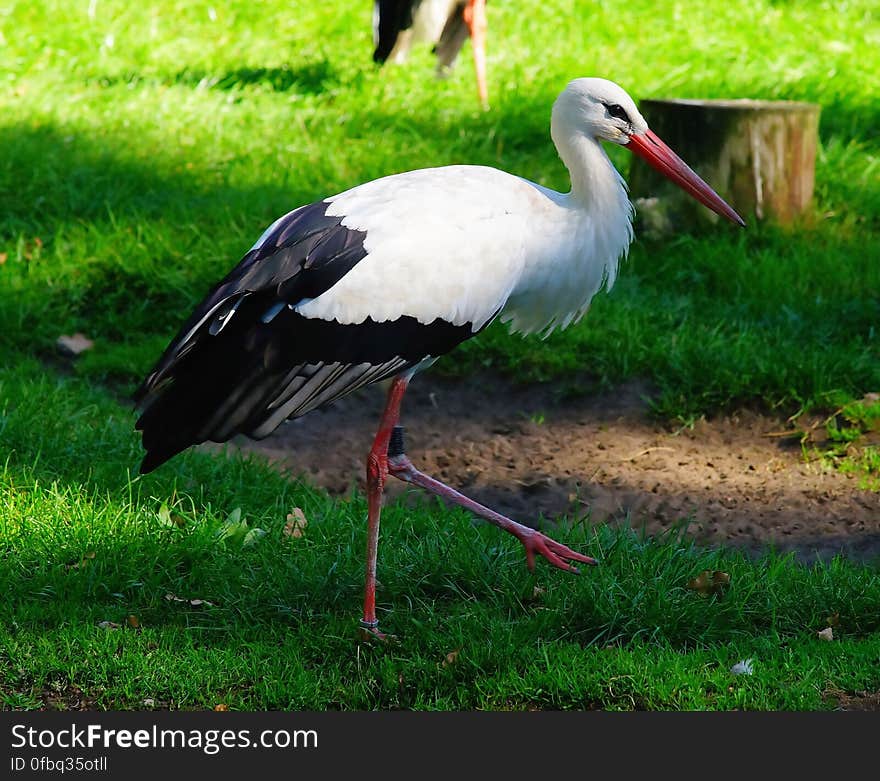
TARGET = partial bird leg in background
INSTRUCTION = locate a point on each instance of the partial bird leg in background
(377, 472)
(400, 52)
(475, 19)
(533, 541)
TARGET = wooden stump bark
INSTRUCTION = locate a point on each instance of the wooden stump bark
(758, 155)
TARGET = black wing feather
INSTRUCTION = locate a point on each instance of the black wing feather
(246, 360)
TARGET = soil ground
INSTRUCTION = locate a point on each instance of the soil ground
(528, 454)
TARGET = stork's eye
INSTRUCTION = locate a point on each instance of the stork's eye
(616, 111)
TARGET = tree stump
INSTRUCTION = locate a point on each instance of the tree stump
(758, 155)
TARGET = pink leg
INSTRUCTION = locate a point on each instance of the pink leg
(377, 472)
(475, 19)
(533, 541)
(381, 463)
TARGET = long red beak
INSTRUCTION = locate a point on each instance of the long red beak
(652, 150)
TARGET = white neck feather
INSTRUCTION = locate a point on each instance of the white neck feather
(596, 186)
(597, 189)
(557, 290)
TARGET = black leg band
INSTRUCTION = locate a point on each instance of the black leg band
(396, 446)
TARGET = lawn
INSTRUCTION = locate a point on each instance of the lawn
(146, 146)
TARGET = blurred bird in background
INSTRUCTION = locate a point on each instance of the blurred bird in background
(446, 24)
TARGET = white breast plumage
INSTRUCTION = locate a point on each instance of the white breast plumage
(460, 244)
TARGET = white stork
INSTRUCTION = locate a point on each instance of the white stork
(397, 24)
(379, 281)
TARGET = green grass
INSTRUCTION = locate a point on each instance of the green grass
(147, 146)
(851, 437)
(83, 545)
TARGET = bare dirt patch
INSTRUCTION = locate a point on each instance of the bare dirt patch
(533, 456)
(858, 701)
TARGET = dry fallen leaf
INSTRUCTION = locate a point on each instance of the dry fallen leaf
(3, 257)
(82, 562)
(710, 582)
(451, 657)
(74, 344)
(194, 602)
(826, 634)
(833, 619)
(32, 248)
(296, 523)
(221, 707)
(133, 622)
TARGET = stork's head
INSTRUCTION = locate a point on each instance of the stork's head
(601, 110)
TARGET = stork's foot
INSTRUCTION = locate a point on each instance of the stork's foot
(556, 553)
(533, 541)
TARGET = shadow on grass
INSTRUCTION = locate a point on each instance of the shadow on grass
(850, 117)
(107, 234)
(311, 78)
(51, 177)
